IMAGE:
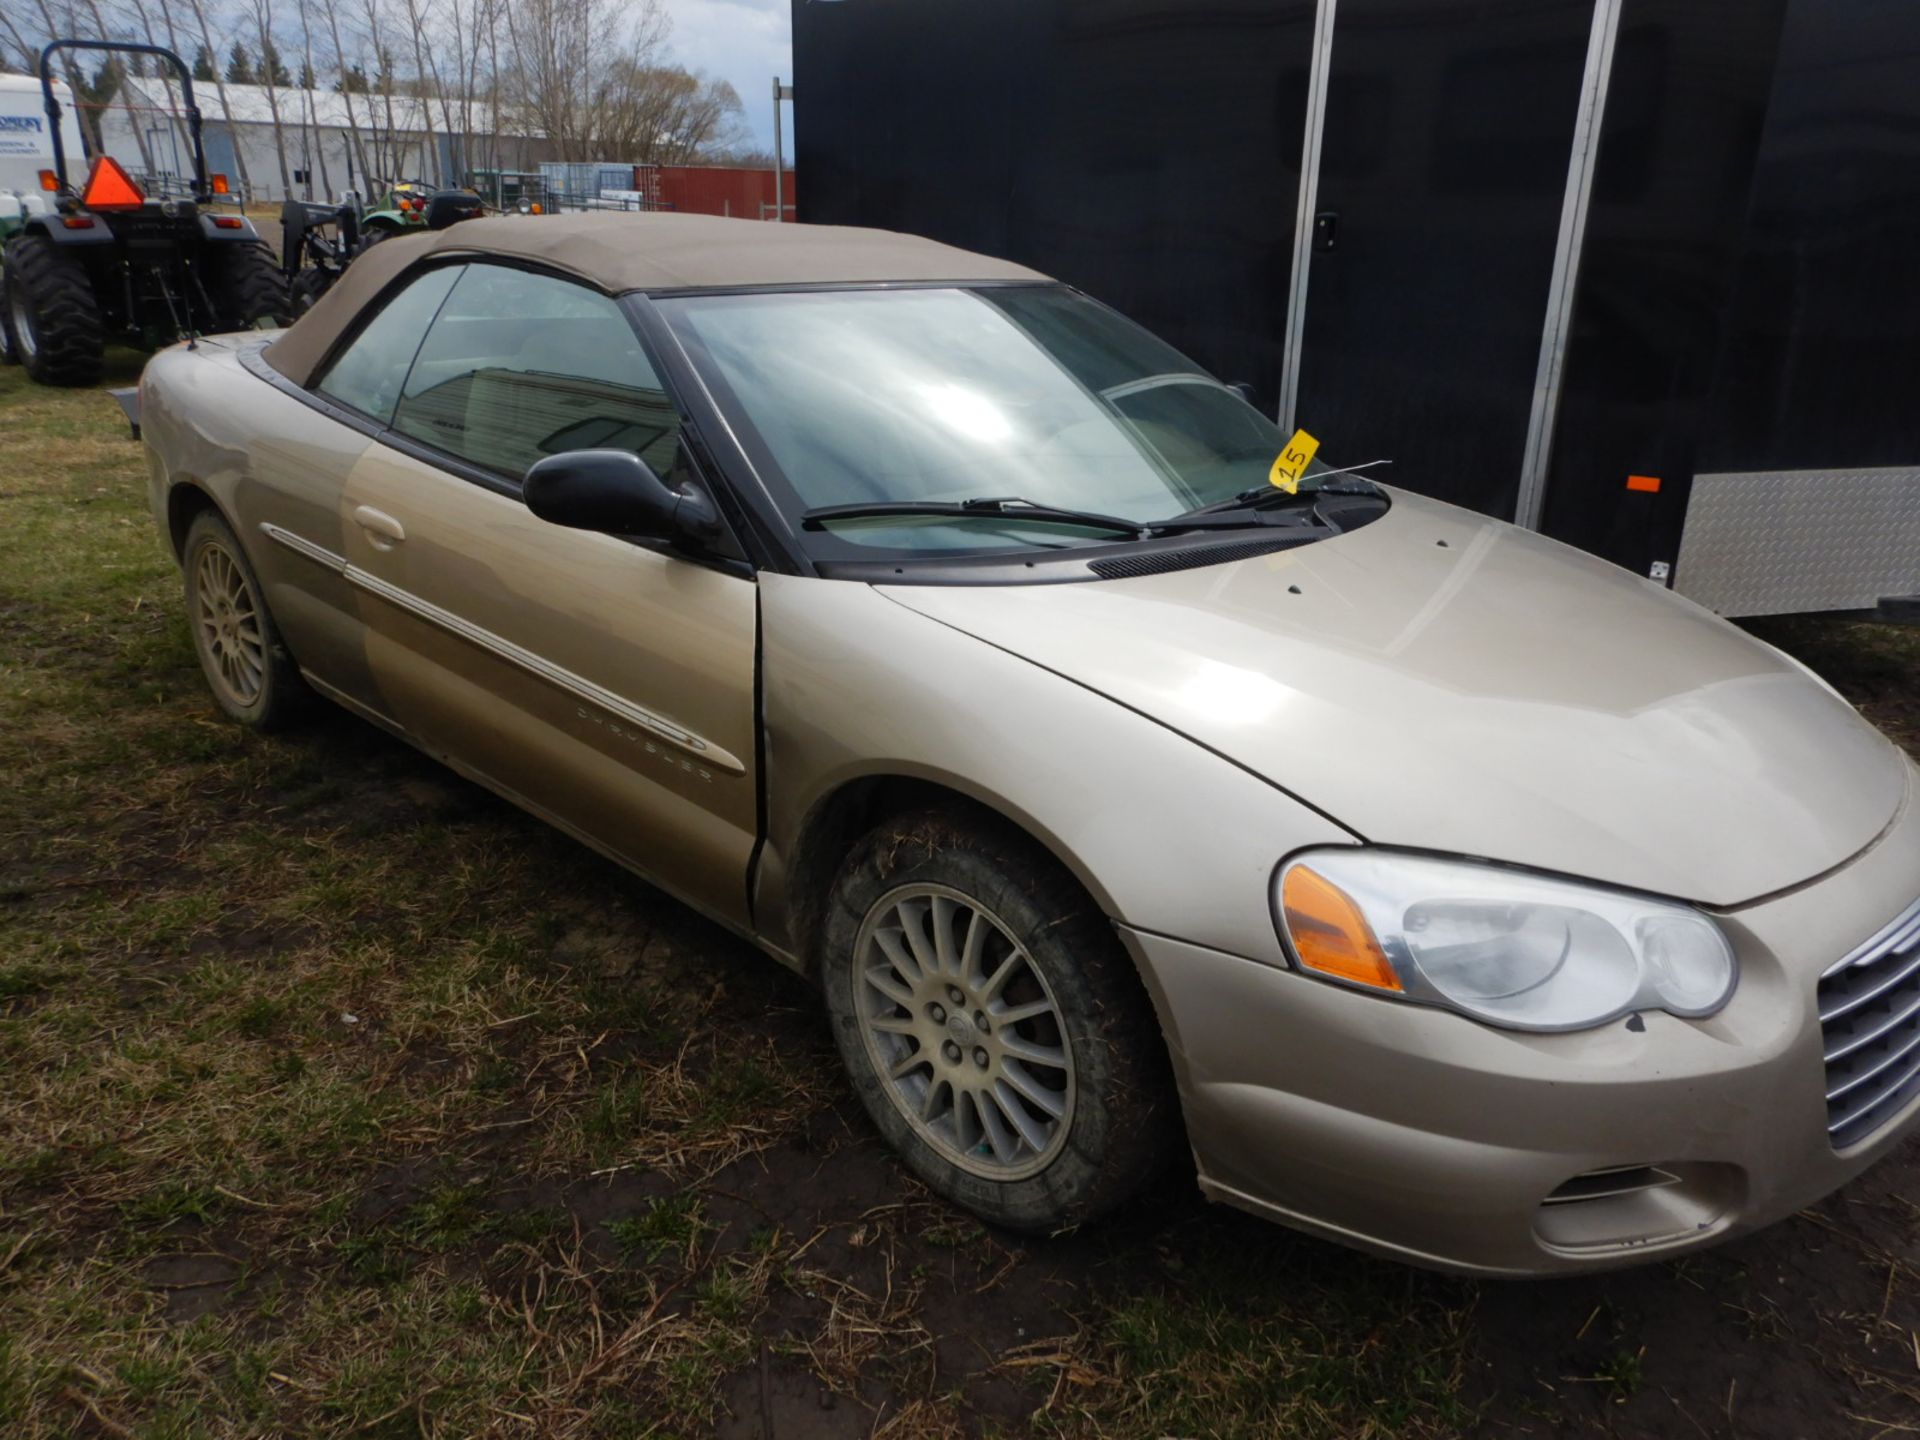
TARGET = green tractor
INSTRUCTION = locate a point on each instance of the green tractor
(104, 263)
(318, 241)
(402, 208)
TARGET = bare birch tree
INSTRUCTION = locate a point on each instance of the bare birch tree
(331, 10)
(426, 82)
(315, 136)
(76, 82)
(168, 82)
(269, 53)
(25, 54)
(199, 10)
(117, 73)
(572, 57)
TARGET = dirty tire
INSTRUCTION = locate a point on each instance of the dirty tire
(260, 688)
(53, 319)
(1117, 1093)
(308, 286)
(9, 353)
(247, 286)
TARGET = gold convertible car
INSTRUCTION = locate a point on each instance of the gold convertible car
(1128, 780)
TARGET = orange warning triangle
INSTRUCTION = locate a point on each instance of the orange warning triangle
(110, 188)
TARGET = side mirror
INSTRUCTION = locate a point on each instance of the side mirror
(616, 492)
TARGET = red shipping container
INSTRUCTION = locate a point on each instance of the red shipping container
(715, 190)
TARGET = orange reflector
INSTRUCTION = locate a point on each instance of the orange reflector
(536, 208)
(1329, 934)
(229, 222)
(220, 185)
(110, 188)
(49, 180)
(1648, 483)
(77, 222)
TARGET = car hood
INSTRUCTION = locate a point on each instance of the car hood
(1441, 681)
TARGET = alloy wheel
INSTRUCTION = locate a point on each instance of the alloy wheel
(228, 615)
(964, 1031)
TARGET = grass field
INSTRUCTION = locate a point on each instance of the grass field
(341, 1099)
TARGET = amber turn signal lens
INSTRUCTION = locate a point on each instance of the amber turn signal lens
(1329, 934)
(49, 181)
(219, 185)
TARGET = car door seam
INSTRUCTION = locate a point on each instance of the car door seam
(578, 686)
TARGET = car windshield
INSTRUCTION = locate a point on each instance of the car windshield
(855, 398)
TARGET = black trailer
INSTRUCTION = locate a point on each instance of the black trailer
(1642, 274)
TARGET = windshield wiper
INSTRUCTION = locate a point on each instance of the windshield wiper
(992, 506)
(1269, 496)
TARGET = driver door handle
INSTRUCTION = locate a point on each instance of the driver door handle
(382, 529)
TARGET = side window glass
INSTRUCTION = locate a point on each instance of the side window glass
(368, 374)
(519, 366)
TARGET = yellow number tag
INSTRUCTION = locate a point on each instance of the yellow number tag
(1293, 461)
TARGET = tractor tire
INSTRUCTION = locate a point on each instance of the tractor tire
(248, 288)
(308, 286)
(9, 352)
(53, 319)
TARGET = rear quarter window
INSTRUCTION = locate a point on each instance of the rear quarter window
(370, 373)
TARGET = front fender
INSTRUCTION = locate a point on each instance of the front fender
(1166, 836)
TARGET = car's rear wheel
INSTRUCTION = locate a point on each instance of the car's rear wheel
(991, 1024)
(253, 677)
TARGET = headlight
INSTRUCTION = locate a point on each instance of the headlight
(1512, 949)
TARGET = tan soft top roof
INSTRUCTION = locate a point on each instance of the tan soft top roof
(642, 252)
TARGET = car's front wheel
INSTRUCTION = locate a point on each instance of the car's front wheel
(253, 677)
(991, 1024)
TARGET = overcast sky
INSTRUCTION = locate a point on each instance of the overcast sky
(745, 41)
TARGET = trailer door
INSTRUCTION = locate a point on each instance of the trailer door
(1419, 307)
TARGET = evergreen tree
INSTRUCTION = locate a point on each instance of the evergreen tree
(306, 76)
(272, 71)
(106, 80)
(239, 68)
(203, 65)
(353, 81)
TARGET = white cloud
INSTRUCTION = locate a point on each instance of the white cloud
(745, 41)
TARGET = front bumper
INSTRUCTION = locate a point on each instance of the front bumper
(1422, 1135)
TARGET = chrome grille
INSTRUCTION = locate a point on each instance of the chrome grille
(1870, 1024)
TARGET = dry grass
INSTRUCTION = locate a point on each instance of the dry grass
(276, 1012)
(345, 1101)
